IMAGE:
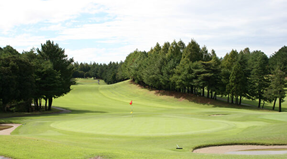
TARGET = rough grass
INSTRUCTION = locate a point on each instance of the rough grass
(101, 124)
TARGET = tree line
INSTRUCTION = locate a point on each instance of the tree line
(47, 73)
(110, 73)
(193, 69)
(33, 75)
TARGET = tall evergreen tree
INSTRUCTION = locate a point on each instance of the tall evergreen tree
(227, 64)
(258, 82)
(279, 58)
(276, 88)
(61, 63)
(237, 82)
(152, 74)
(173, 58)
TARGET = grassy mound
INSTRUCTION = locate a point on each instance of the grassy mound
(101, 124)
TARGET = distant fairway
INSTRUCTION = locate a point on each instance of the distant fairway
(101, 124)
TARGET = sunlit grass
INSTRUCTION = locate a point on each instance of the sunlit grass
(101, 124)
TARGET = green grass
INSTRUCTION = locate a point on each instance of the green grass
(101, 124)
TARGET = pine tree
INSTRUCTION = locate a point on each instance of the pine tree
(237, 82)
(60, 62)
(276, 88)
(257, 82)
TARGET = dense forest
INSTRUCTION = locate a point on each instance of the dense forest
(37, 74)
(47, 73)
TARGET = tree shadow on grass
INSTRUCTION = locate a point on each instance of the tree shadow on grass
(77, 111)
(50, 113)
(219, 102)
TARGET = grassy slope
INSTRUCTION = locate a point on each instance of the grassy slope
(101, 124)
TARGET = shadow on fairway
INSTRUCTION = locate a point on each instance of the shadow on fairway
(203, 100)
(76, 111)
(52, 113)
(219, 102)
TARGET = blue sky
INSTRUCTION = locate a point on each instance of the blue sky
(108, 30)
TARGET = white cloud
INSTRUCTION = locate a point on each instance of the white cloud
(98, 55)
(219, 24)
(23, 40)
(18, 12)
(56, 27)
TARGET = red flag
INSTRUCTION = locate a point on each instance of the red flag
(131, 102)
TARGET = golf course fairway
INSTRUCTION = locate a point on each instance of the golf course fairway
(103, 123)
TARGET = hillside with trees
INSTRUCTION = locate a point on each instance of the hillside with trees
(193, 69)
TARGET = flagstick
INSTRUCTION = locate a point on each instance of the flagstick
(131, 103)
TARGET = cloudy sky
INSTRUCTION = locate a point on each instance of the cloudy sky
(108, 30)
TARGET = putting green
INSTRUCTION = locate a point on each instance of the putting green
(141, 126)
(276, 117)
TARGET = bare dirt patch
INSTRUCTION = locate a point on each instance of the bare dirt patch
(232, 148)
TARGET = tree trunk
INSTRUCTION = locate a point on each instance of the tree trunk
(208, 93)
(279, 104)
(45, 104)
(232, 98)
(36, 104)
(40, 103)
(240, 100)
(274, 103)
(259, 102)
(50, 103)
(28, 105)
(228, 98)
(203, 91)
(211, 94)
(214, 96)
(263, 104)
(236, 100)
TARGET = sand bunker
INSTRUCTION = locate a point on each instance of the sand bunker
(9, 130)
(243, 149)
(2, 157)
